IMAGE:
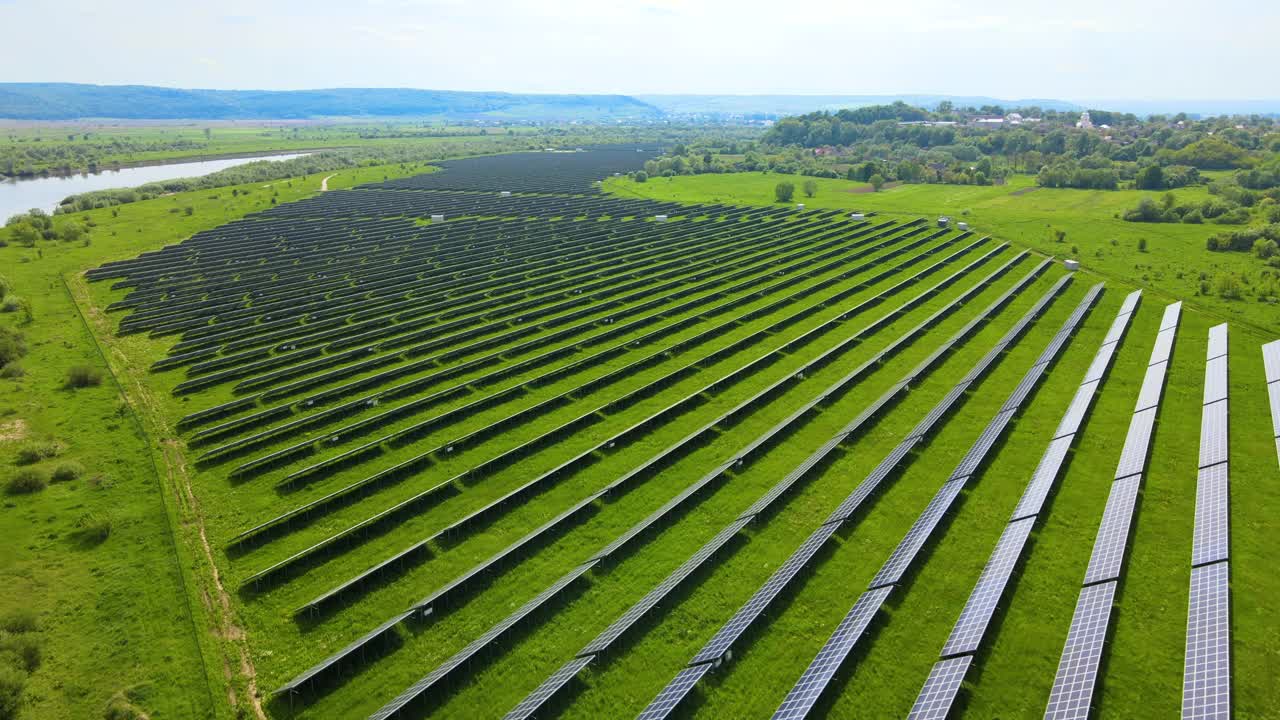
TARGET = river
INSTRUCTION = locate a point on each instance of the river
(20, 195)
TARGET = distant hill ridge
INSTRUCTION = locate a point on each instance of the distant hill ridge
(69, 101)
(72, 101)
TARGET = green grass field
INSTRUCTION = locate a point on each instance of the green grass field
(163, 608)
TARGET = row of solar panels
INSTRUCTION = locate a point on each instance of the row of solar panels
(1074, 683)
(695, 279)
(544, 296)
(938, 694)
(641, 428)
(529, 172)
(718, 648)
(709, 550)
(628, 537)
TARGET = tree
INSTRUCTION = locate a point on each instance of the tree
(1264, 248)
(877, 181)
(1142, 244)
(784, 191)
(208, 133)
(810, 187)
(73, 232)
(24, 233)
(642, 176)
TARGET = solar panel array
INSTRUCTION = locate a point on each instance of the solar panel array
(805, 694)
(1271, 366)
(789, 570)
(958, 653)
(1206, 679)
(1078, 668)
(721, 643)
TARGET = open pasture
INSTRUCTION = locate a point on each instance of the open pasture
(462, 453)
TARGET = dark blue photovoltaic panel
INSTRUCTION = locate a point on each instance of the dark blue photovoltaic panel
(1072, 695)
(1206, 677)
(1076, 411)
(982, 446)
(1043, 478)
(1271, 361)
(747, 614)
(1171, 315)
(1213, 516)
(1113, 534)
(860, 494)
(1152, 386)
(802, 697)
(972, 625)
(1130, 302)
(1133, 458)
(893, 569)
(1101, 361)
(1164, 345)
(674, 693)
(1215, 379)
(1273, 392)
(539, 697)
(1213, 434)
(939, 692)
(1217, 341)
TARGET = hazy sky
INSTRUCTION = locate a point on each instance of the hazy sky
(1070, 49)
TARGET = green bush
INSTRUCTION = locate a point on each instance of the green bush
(66, 471)
(26, 481)
(784, 191)
(83, 376)
(11, 371)
(24, 647)
(34, 452)
(12, 346)
(94, 527)
(12, 682)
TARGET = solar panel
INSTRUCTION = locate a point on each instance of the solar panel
(1206, 678)
(972, 624)
(1113, 534)
(1130, 302)
(1133, 458)
(894, 568)
(1273, 391)
(1171, 315)
(1024, 388)
(1215, 379)
(1271, 360)
(741, 620)
(549, 687)
(1101, 361)
(1043, 478)
(1164, 345)
(1076, 411)
(978, 451)
(805, 693)
(674, 692)
(940, 689)
(1213, 434)
(1152, 386)
(1072, 693)
(660, 591)
(1213, 519)
(869, 484)
(1217, 341)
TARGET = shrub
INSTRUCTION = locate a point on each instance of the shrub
(11, 371)
(1142, 244)
(1264, 248)
(94, 527)
(34, 452)
(83, 376)
(1227, 286)
(12, 346)
(67, 471)
(784, 191)
(12, 682)
(6, 287)
(27, 481)
(25, 647)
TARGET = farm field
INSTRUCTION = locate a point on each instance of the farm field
(491, 441)
(1173, 266)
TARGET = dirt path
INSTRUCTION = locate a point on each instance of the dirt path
(324, 184)
(233, 643)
